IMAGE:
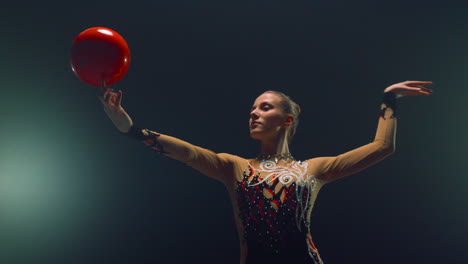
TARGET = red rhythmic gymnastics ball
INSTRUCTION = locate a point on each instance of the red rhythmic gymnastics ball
(99, 56)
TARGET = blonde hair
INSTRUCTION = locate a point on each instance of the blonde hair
(289, 107)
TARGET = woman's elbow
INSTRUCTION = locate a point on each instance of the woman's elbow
(389, 150)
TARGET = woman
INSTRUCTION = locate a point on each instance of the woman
(273, 195)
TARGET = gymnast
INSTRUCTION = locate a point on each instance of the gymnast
(273, 194)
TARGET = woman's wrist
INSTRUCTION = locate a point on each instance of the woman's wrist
(135, 132)
(148, 137)
(389, 99)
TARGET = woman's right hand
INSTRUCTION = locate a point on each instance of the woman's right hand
(111, 102)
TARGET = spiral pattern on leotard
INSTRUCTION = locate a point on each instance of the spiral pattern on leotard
(295, 171)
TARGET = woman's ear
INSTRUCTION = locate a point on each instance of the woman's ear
(289, 120)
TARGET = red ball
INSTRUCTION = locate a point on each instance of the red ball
(99, 56)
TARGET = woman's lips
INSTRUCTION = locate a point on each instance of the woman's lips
(254, 124)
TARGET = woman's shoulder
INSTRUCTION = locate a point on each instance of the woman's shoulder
(233, 158)
(317, 159)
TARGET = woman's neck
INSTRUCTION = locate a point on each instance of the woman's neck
(275, 146)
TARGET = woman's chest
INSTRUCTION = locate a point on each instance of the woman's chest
(276, 189)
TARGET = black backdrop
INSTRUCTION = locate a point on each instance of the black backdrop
(73, 190)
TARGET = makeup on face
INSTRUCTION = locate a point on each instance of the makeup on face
(266, 114)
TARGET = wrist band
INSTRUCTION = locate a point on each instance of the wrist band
(136, 133)
(389, 99)
(150, 140)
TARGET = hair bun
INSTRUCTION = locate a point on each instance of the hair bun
(297, 108)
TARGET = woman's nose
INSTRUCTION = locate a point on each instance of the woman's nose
(254, 115)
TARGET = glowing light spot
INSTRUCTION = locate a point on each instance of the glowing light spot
(105, 31)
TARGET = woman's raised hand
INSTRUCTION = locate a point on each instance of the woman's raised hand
(409, 88)
(113, 108)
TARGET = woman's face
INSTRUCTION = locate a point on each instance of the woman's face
(267, 117)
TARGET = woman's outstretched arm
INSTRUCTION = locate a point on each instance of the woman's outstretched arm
(332, 168)
(213, 165)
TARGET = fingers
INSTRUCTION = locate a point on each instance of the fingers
(415, 83)
(104, 91)
(119, 98)
(418, 91)
(418, 87)
(110, 99)
(107, 96)
(410, 88)
(422, 88)
(427, 82)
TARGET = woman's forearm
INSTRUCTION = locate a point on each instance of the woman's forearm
(206, 161)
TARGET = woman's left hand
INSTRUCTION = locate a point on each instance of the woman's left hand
(409, 88)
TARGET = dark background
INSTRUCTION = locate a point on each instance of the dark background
(73, 190)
